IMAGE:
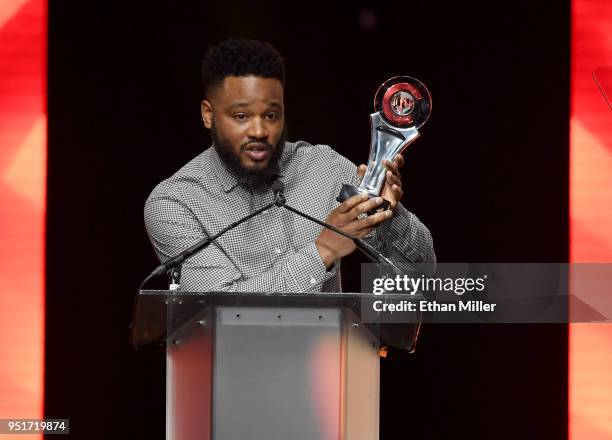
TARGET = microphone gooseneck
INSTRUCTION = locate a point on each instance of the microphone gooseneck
(278, 189)
(368, 250)
(177, 260)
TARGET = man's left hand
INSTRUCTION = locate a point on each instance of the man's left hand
(392, 188)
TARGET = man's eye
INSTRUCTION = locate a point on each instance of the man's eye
(272, 116)
(240, 116)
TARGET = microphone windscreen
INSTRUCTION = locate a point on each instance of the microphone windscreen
(278, 186)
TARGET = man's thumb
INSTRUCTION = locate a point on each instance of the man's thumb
(361, 170)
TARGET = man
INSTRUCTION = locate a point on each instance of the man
(276, 251)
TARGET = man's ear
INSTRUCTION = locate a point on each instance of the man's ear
(207, 113)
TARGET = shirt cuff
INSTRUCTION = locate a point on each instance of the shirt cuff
(396, 227)
(308, 270)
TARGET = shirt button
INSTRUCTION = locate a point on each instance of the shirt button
(313, 281)
(265, 211)
(277, 251)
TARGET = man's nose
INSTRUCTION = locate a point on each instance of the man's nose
(258, 129)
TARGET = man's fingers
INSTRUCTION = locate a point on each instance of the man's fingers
(399, 160)
(393, 179)
(361, 170)
(365, 207)
(397, 191)
(397, 194)
(351, 202)
(393, 168)
(396, 163)
(373, 220)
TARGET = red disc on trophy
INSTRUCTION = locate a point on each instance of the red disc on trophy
(403, 102)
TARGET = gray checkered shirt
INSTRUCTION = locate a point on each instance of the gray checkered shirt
(275, 251)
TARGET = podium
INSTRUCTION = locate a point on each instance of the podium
(268, 366)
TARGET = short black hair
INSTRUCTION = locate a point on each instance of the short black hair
(240, 57)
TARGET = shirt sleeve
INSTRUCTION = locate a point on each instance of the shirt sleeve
(172, 227)
(404, 239)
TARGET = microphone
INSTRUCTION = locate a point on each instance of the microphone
(177, 260)
(278, 188)
(369, 251)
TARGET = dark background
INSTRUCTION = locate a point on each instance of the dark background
(489, 177)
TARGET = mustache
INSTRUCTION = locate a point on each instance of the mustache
(260, 145)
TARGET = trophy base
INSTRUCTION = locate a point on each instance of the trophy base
(349, 191)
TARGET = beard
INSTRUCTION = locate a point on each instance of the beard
(255, 177)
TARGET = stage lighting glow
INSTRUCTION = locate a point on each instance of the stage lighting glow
(590, 354)
(22, 207)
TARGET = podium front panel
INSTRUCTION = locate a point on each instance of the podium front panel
(304, 373)
(189, 355)
(277, 373)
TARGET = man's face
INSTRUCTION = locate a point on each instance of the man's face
(246, 117)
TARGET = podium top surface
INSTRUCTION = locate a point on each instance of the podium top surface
(158, 312)
(265, 296)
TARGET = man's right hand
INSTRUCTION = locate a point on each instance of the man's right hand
(332, 246)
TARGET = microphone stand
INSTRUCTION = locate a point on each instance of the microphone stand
(369, 251)
(279, 200)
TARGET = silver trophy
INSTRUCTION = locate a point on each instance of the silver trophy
(402, 105)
